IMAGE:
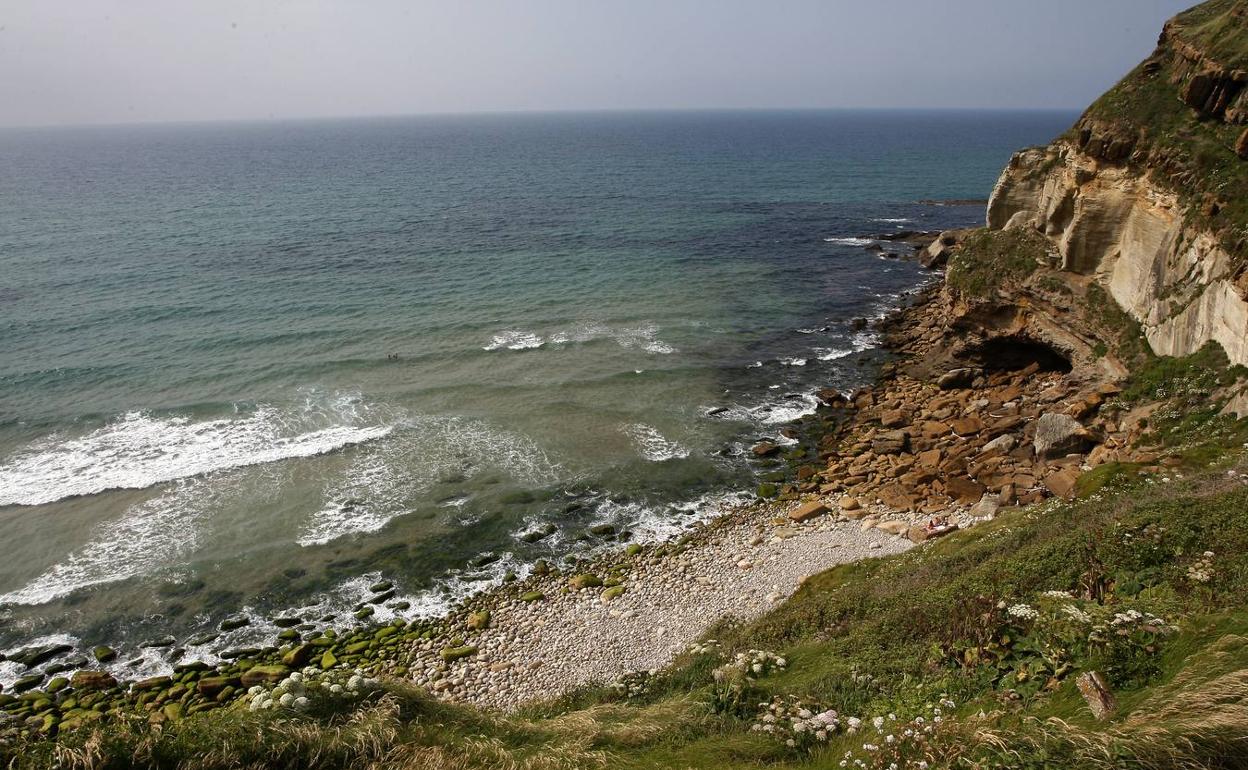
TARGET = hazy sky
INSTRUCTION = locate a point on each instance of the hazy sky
(103, 61)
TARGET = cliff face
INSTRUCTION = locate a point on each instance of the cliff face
(1148, 194)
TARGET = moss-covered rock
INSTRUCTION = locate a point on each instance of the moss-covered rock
(584, 580)
(455, 653)
(264, 675)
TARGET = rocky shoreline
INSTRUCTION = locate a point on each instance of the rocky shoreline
(913, 457)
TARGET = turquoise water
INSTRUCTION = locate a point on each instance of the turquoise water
(256, 365)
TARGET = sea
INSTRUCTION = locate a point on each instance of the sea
(253, 369)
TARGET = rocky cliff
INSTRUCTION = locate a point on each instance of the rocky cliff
(1147, 195)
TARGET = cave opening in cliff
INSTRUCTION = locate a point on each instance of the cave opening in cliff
(1014, 353)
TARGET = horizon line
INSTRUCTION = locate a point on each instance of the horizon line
(503, 113)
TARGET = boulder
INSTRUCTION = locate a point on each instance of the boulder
(967, 426)
(104, 654)
(935, 256)
(232, 623)
(808, 511)
(893, 418)
(999, 445)
(1058, 435)
(151, 683)
(584, 580)
(1063, 483)
(896, 496)
(33, 656)
(765, 449)
(450, 654)
(299, 656)
(957, 379)
(92, 680)
(478, 621)
(264, 675)
(848, 503)
(987, 507)
(892, 442)
(1096, 694)
(1241, 145)
(210, 686)
(28, 682)
(963, 489)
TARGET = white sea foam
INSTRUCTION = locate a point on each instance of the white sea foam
(11, 671)
(850, 241)
(515, 340)
(831, 354)
(788, 410)
(650, 524)
(793, 361)
(155, 534)
(140, 450)
(755, 365)
(892, 220)
(652, 445)
(385, 479)
(644, 337)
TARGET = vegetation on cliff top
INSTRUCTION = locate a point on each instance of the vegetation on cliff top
(1193, 153)
(991, 262)
(1214, 29)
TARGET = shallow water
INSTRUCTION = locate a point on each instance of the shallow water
(242, 366)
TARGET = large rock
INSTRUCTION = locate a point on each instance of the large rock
(1063, 483)
(1097, 695)
(765, 449)
(957, 379)
(893, 418)
(264, 675)
(1058, 435)
(892, 442)
(808, 511)
(963, 489)
(33, 656)
(967, 426)
(999, 445)
(584, 580)
(92, 680)
(896, 496)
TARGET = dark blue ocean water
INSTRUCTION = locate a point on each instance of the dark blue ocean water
(243, 365)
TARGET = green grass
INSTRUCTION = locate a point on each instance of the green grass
(1116, 328)
(1192, 154)
(1211, 27)
(989, 261)
(888, 635)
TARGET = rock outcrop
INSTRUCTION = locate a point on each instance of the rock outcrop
(1144, 196)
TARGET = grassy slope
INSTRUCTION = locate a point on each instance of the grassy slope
(892, 635)
(898, 635)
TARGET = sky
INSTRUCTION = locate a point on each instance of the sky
(120, 61)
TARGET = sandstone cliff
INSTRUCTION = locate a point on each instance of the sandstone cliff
(1147, 195)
